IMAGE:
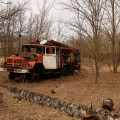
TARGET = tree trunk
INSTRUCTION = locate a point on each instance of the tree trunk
(113, 38)
(96, 61)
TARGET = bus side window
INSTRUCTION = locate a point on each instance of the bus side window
(77, 57)
(53, 50)
(50, 50)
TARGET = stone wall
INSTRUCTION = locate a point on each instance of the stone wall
(74, 110)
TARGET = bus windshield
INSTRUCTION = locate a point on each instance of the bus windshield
(32, 49)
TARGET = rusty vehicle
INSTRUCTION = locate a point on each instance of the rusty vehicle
(42, 57)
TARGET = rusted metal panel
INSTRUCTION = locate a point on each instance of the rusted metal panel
(89, 117)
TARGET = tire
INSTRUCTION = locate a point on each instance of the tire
(23, 77)
(12, 76)
(71, 70)
(39, 68)
(65, 71)
(35, 77)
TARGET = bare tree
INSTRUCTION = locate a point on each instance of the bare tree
(40, 25)
(21, 28)
(112, 25)
(9, 16)
(88, 23)
(29, 33)
(60, 29)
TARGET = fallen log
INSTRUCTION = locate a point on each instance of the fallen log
(73, 110)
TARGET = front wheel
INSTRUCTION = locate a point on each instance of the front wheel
(23, 77)
(35, 77)
(11, 76)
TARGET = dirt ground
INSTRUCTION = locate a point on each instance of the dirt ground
(79, 88)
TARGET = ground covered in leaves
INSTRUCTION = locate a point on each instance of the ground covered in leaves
(79, 88)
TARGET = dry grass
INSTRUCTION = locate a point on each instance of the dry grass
(78, 89)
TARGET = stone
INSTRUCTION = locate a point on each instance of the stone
(48, 102)
(62, 105)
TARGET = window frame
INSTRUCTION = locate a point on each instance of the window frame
(49, 49)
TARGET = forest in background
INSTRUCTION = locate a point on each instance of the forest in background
(95, 24)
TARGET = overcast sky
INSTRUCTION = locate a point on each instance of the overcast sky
(56, 11)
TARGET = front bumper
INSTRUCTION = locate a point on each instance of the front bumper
(14, 70)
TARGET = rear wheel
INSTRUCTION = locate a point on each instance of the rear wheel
(11, 76)
(71, 70)
(65, 71)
